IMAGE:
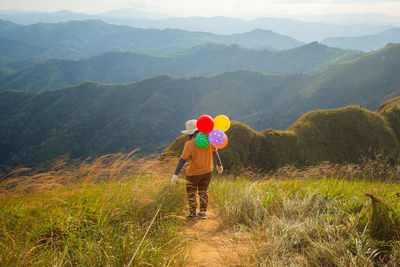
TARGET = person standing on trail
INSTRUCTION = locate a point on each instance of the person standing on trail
(199, 172)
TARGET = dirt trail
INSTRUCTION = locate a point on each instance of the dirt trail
(210, 246)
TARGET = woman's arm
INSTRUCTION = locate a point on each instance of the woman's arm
(180, 166)
(177, 170)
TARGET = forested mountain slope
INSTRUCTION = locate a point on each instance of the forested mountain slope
(123, 67)
(94, 119)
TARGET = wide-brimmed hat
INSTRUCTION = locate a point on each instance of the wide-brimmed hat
(190, 127)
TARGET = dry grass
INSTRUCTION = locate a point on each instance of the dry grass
(312, 222)
(63, 171)
(374, 168)
(94, 212)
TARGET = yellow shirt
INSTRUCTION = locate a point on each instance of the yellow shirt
(201, 159)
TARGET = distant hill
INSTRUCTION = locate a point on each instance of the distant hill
(7, 25)
(368, 77)
(32, 17)
(338, 136)
(26, 17)
(120, 67)
(94, 119)
(14, 50)
(131, 13)
(353, 18)
(4, 71)
(77, 39)
(19, 64)
(367, 42)
(17, 50)
(298, 29)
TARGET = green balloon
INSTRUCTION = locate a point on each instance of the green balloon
(202, 140)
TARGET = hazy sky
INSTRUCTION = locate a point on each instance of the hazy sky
(233, 8)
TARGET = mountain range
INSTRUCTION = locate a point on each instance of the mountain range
(78, 39)
(32, 17)
(300, 30)
(122, 67)
(95, 119)
(13, 50)
(304, 29)
(365, 43)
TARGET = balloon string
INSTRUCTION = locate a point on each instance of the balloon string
(145, 234)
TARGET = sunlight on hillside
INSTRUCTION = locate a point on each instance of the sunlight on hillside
(311, 216)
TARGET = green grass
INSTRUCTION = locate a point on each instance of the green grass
(391, 111)
(309, 218)
(97, 224)
(307, 222)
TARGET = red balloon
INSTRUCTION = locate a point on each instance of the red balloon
(205, 124)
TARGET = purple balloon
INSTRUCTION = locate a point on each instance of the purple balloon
(216, 137)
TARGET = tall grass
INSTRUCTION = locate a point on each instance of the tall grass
(375, 167)
(63, 171)
(94, 225)
(91, 213)
(309, 222)
(95, 211)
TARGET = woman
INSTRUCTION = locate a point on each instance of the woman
(199, 172)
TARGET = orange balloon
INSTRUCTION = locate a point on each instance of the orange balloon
(224, 144)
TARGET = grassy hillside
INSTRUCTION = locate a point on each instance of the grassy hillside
(77, 39)
(391, 111)
(95, 212)
(367, 42)
(338, 136)
(119, 67)
(324, 222)
(95, 119)
(94, 224)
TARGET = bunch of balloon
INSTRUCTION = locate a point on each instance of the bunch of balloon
(212, 131)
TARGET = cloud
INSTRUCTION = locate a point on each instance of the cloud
(334, 1)
(258, 8)
(233, 8)
(87, 6)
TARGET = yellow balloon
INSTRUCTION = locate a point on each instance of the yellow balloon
(222, 122)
